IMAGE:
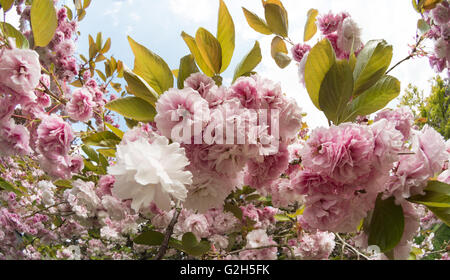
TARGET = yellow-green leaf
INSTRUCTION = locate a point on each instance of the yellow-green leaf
(190, 42)
(152, 68)
(139, 87)
(371, 65)
(107, 46)
(276, 19)
(115, 130)
(320, 60)
(376, 97)
(257, 23)
(336, 91)
(6, 4)
(187, 67)
(134, 108)
(12, 32)
(210, 49)
(279, 52)
(310, 27)
(250, 61)
(43, 21)
(225, 35)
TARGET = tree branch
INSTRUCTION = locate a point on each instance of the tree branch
(168, 234)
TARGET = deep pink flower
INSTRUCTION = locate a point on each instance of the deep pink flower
(299, 51)
(328, 23)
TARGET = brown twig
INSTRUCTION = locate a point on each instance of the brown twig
(168, 234)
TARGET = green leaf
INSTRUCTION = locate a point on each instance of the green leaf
(7, 186)
(279, 52)
(276, 18)
(152, 68)
(249, 62)
(310, 26)
(134, 108)
(193, 247)
(102, 139)
(187, 68)
(138, 87)
(236, 211)
(320, 60)
(149, 238)
(190, 42)
(442, 213)
(371, 65)
(441, 237)
(423, 26)
(6, 4)
(387, 224)
(65, 184)
(376, 97)
(257, 23)
(43, 21)
(225, 35)
(282, 218)
(92, 155)
(336, 91)
(437, 194)
(210, 49)
(12, 32)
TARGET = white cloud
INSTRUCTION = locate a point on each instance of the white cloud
(196, 11)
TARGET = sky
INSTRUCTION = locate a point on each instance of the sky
(157, 24)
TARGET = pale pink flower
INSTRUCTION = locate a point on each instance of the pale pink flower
(290, 119)
(200, 83)
(80, 107)
(65, 48)
(343, 152)
(197, 224)
(441, 13)
(349, 35)
(208, 190)
(54, 137)
(181, 109)
(20, 71)
(402, 118)
(445, 177)
(14, 139)
(314, 246)
(256, 239)
(284, 193)
(262, 174)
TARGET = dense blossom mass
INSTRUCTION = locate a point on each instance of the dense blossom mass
(233, 167)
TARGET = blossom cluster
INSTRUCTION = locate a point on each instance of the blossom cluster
(257, 154)
(439, 21)
(343, 33)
